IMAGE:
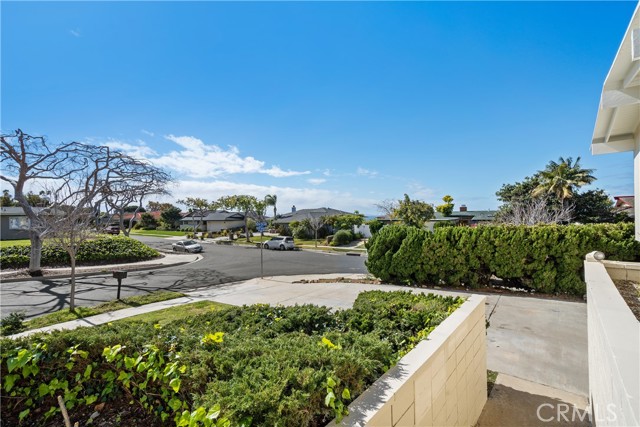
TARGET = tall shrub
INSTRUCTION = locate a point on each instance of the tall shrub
(546, 258)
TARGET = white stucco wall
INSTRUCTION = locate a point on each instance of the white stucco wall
(636, 183)
(614, 351)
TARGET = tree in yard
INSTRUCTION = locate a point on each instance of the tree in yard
(519, 191)
(170, 216)
(134, 208)
(76, 178)
(68, 224)
(6, 199)
(535, 211)
(447, 207)
(413, 212)
(129, 184)
(387, 208)
(158, 207)
(30, 160)
(315, 223)
(244, 203)
(593, 206)
(148, 222)
(272, 200)
(562, 179)
(345, 222)
(197, 207)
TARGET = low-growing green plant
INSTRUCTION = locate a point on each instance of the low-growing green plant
(239, 366)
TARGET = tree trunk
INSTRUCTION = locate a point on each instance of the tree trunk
(72, 292)
(36, 255)
(316, 233)
(246, 227)
(121, 222)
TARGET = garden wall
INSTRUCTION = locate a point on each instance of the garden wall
(614, 351)
(442, 381)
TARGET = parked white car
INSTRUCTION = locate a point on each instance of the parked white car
(279, 242)
(187, 246)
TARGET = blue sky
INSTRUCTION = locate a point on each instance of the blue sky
(324, 104)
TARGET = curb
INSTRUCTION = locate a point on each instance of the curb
(97, 273)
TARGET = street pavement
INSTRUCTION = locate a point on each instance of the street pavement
(220, 264)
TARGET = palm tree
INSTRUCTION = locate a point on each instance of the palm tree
(562, 179)
(271, 200)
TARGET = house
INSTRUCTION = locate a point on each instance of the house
(214, 221)
(14, 223)
(302, 214)
(463, 217)
(625, 205)
(115, 220)
(617, 127)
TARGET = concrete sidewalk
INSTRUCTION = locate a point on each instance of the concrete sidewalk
(543, 341)
(167, 260)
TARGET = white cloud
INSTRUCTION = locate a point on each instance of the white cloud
(146, 132)
(419, 191)
(366, 172)
(140, 150)
(316, 181)
(287, 196)
(75, 33)
(199, 160)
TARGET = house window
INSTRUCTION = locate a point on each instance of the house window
(18, 223)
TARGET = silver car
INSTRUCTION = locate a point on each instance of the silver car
(187, 246)
(279, 242)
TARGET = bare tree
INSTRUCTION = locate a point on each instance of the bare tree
(315, 223)
(387, 207)
(131, 181)
(536, 211)
(28, 160)
(68, 224)
(76, 176)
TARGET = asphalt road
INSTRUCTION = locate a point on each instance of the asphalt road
(221, 264)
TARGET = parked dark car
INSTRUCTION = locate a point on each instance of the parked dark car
(112, 229)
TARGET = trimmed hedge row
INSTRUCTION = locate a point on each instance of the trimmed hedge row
(545, 258)
(101, 250)
(260, 365)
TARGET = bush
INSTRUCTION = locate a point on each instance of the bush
(442, 224)
(97, 251)
(266, 364)
(12, 324)
(375, 225)
(342, 237)
(546, 258)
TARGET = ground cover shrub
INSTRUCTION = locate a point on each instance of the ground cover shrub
(103, 249)
(545, 258)
(342, 237)
(254, 366)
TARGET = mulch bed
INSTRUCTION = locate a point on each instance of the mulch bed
(630, 292)
(498, 287)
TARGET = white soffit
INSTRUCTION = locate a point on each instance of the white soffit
(618, 120)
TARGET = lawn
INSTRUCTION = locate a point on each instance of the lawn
(65, 315)
(254, 365)
(160, 233)
(8, 243)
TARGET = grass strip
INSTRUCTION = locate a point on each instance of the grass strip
(65, 315)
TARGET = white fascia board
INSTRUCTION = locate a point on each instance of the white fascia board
(616, 144)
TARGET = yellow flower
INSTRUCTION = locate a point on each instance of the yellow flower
(213, 338)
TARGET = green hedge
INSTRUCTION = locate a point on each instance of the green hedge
(101, 250)
(262, 365)
(547, 258)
